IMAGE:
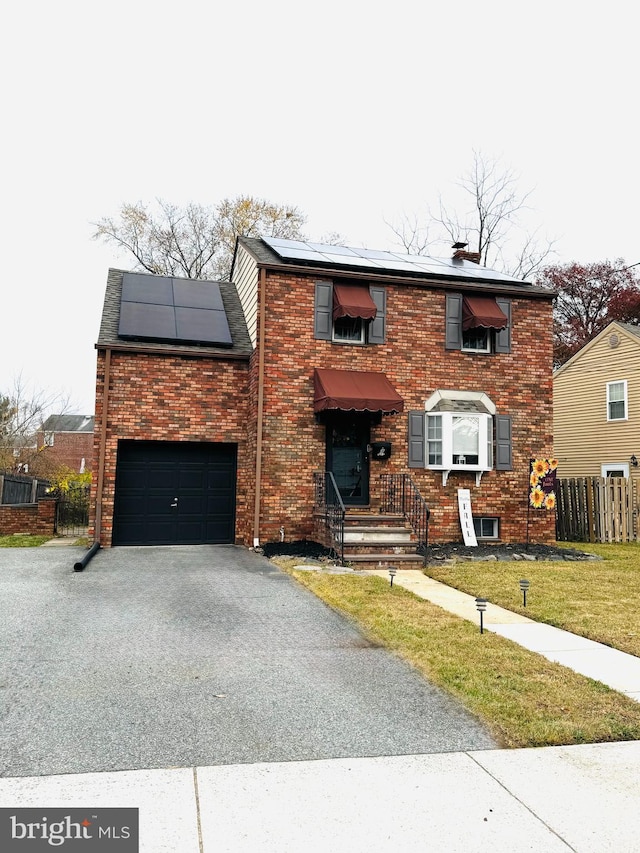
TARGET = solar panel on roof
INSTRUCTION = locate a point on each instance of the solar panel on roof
(332, 250)
(177, 310)
(203, 325)
(324, 254)
(196, 294)
(154, 289)
(355, 261)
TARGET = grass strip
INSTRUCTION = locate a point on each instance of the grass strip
(599, 600)
(22, 540)
(523, 699)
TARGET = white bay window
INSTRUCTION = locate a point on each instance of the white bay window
(462, 442)
(460, 431)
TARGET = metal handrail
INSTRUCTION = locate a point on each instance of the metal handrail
(401, 496)
(328, 499)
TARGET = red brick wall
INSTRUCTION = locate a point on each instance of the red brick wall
(172, 398)
(36, 519)
(416, 362)
(69, 449)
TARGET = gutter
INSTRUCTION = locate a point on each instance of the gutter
(260, 419)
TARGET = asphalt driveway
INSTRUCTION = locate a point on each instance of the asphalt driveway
(196, 655)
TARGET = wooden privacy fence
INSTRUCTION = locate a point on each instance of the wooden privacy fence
(596, 509)
(18, 489)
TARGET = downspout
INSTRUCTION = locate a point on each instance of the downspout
(81, 565)
(103, 444)
(258, 477)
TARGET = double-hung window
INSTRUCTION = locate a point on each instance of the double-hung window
(348, 313)
(461, 440)
(617, 400)
(477, 323)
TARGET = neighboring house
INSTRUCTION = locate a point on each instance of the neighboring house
(596, 406)
(218, 403)
(67, 440)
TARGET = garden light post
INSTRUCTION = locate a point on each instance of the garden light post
(392, 574)
(524, 586)
(481, 604)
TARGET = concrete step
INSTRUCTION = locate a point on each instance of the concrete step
(376, 519)
(377, 547)
(377, 534)
(384, 560)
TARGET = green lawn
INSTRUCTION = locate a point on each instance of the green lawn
(599, 600)
(22, 540)
(523, 698)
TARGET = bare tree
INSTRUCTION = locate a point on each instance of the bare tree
(195, 241)
(488, 220)
(413, 236)
(22, 413)
(496, 203)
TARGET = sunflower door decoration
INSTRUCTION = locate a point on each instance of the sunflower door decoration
(542, 483)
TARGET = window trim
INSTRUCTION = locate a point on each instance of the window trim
(485, 443)
(489, 338)
(607, 467)
(494, 519)
(355, 341)
(624, 400)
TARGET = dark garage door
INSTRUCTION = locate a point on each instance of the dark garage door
(174, 493)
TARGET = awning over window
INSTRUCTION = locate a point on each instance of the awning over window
(353, 300)
(482, 312)
(354, 390)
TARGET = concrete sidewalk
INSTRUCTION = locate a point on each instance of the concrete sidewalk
(617, 669)
(572, 798)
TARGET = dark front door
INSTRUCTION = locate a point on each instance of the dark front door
(174, 493)
(347, 458)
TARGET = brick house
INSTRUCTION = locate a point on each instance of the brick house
(332, 377)
(66, 440)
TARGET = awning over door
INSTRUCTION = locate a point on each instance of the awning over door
(354, 390)
(482, 312)
(353, 300)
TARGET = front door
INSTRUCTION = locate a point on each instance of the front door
(348, 436)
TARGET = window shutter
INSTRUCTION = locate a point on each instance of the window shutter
(453, 321)
(377, 328)
(503, 443)
(323, 320)
(503, 337)
(416, 439)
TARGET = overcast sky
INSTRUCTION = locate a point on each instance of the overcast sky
(356, 112)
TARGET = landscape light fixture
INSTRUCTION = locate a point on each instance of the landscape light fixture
(392, 574)
(524, 586)
(481, 604)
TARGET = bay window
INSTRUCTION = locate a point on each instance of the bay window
(459, 431)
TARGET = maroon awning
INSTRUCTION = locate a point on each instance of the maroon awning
(353, 300)
(354, 390)
(483, 312)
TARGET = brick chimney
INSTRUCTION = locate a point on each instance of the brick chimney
(463, 255)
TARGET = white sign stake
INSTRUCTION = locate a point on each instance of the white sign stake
(466, 517)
